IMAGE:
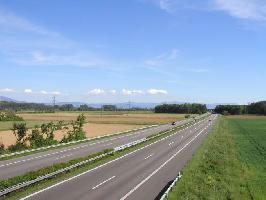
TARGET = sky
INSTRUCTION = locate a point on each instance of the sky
(206, 51)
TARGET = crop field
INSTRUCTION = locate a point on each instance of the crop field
(231, 164)
(107, 117)
(98, 123)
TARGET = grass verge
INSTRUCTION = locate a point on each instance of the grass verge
(229, 165)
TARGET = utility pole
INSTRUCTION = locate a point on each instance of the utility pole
(129, 106)
(54, 102)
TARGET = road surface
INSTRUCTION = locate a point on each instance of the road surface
(21, 165)
(142, 174)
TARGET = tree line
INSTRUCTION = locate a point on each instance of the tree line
(258, 108)
(186, 108)
(40, 107)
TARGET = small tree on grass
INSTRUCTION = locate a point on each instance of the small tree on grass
(2, 148)
(36, 138)
(77, 132)
(20, 132)
(48, 130)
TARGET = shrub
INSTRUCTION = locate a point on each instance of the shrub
(77, 132)
(20, 132)
(2, 148)
(8, 115)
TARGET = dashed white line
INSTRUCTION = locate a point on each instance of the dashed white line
(148, 157)
(170, 143)
(160, 167)
(103, 182)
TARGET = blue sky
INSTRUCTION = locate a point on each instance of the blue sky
(138, 50)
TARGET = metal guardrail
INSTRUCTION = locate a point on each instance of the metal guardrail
(40, 178)
(84, 140)
(169, 189)
(43, 177)
(72, 142)
(120, 148)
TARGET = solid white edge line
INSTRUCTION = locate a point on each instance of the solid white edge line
(111, 161)
(160, 167)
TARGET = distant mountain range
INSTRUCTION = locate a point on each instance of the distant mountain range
(123, 105)
(2, 98)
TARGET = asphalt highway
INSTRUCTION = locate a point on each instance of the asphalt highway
(140, 175)
(18, 166)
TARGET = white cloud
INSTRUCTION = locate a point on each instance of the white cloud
(56, 93)
(97, 91)
(156, 91)
(163, 58)
(43, 92)
(132, 92)
(63, 59)
(28, 91)
(7, 90)
(50, 93)
(26, 43)
(243, 9)
(113, 92)
(8, 19)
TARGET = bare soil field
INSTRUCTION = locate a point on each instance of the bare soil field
(92, 130)
(99, 123)
(115, 117)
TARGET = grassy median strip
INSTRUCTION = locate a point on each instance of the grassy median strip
(229, 165)
(73, 172)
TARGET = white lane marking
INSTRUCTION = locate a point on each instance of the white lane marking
(170, 143)
(135, 134)
(61, 157)
(148, 156)
(86, 172)
(107, 144)
(103, 182)
(160, 167)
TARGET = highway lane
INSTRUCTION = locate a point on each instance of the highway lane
(141, 174)
(21, 165)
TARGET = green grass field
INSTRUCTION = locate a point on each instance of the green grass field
(9, 124)
(231, 164)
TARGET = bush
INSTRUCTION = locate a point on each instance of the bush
(77, 132)
(8, 115)
(20, 132)
(2, 148)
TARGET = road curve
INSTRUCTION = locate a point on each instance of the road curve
(18, 166)
(142, 174)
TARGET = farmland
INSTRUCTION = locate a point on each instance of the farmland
(98, 123)
(231, 164)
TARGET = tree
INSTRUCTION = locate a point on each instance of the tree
(66, 107)
(20, 132)
(109, 107)
(77, 132)
(181, 108)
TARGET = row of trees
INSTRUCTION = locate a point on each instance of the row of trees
(4, 105)
(38, 107)
(181, 108)
(9, 115)
(253, 108)
(45, 134)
